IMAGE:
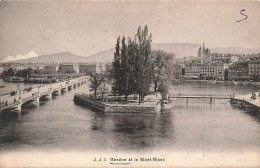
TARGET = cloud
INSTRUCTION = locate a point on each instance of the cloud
(19, 57)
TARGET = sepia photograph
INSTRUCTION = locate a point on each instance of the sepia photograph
(127, 83)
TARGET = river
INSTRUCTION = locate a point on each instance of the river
(195, 126)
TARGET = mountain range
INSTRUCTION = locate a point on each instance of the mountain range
(179, 49)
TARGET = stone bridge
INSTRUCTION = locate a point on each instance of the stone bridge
(9, 101)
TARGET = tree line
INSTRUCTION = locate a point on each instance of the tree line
(136, 67)
(19, 73)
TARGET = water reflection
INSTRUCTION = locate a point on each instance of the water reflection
(140, 131)
(252, 111)
(10, 121)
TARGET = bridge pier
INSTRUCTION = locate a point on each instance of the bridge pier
(37, 100)
(50, 96)
(59, 92)
(19, 106)
(64, 89)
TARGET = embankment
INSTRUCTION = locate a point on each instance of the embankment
(115, 107)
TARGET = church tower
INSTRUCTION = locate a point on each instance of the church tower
(199, 52)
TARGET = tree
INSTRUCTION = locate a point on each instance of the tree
(122, 70)
(9, 72)
(132, 66)
(104, 87)
(116, 70)
(163, 89)
(162, 70)
(24, 73)
(143, 64)
(37, 71)
(126, 72)
(95, 81)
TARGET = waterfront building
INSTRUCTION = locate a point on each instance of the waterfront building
(254, 70)
(21, 67)
(238, 72)
(93, 67)
(50, 69)
(69, 68)
(192, 71)
(220, 71)
(38, 66)
(83, 68)
(176, 70)
(207, 71)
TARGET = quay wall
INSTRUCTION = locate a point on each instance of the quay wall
(154, 107)
(244, 103)
(89, 103)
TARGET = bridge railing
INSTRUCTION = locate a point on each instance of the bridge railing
(201, 95)
(8, 105)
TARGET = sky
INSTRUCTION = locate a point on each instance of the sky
(33, 28)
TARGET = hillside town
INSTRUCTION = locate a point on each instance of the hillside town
(206, 66)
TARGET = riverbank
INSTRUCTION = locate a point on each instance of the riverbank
(151, 106)
(223, 82)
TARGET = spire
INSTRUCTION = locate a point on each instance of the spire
(203, 46)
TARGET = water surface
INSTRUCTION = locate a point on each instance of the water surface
(193, 125)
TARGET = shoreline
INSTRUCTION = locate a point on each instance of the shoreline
(221, 82)
(151, 107)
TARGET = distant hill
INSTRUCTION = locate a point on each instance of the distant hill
(235, 50)
(104, 56)
(179, 49)
(53, 58)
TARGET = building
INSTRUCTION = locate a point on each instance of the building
(69, 68)
(254, 70)
(177, 71)
(108, 67)
(221, 71)
(234, 58)
(192, 71)
(50, 69)
(238, 72)
(221, 59)
(83, 68)
(207, 71)
(93, 67)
